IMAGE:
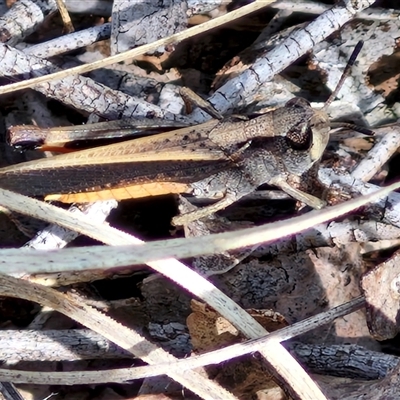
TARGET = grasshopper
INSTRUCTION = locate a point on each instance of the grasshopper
(225, 159)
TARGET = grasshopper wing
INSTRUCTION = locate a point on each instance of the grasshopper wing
(164, 163)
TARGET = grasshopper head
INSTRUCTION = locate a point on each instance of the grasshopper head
(306, 139)
(311, 132)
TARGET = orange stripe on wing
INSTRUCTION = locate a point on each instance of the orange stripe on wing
(122, 193)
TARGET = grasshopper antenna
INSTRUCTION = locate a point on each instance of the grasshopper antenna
(345, 74)
(361, 129)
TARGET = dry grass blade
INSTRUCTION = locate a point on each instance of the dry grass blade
(199, 286)
(213, 357)
(69, 259)
(119, 334)
(194, 283)
(69, 28)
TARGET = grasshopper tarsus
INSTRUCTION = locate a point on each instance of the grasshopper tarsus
(185, 219)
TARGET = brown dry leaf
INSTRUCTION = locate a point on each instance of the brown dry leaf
(339, 270)
(385, 74)
(209, 331)
(381, 288)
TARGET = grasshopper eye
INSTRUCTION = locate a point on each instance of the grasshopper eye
(300, 138)
(298, 102)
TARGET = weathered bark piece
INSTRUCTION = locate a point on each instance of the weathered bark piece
(348, 389)
(70, 42)
(328, 276)
(131, 22)
(77, 91)
(204, 6)
(167, 308)
(97, 7)
(381, 288)
(23, 18)
(347, 361)
(310, 7)
(56, 345)
(380, 40)
(379, 154)
(243, 88)
(387, 210)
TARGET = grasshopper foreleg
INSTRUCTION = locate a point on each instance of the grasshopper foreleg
(203, 212)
